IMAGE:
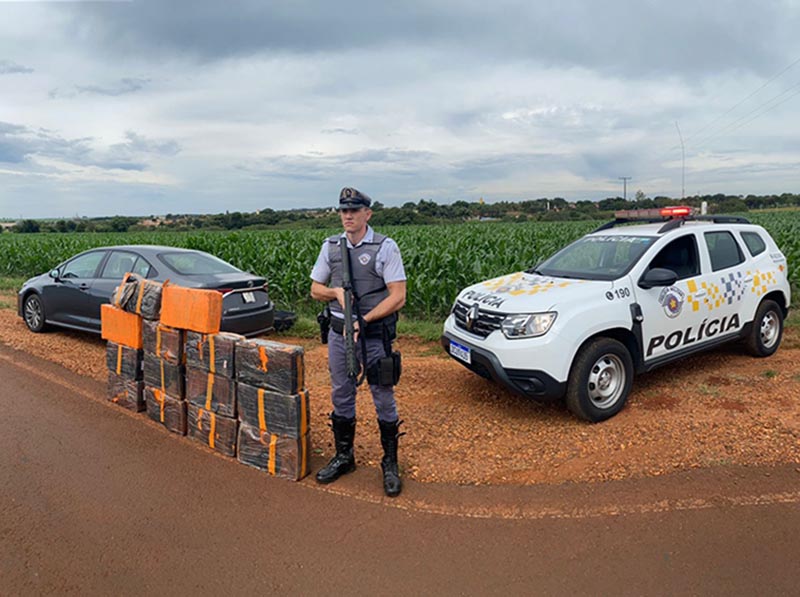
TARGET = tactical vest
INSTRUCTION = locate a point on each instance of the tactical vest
(369, 287)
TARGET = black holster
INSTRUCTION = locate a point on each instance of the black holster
(386, 370)
(324, 320)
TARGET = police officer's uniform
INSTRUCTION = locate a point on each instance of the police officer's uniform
(375, 262)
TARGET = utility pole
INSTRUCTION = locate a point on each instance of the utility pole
(625, 180)
(683, 163)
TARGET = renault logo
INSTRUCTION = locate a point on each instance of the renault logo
(472, 316)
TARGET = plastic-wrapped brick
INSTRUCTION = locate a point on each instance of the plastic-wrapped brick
(212, 352)
(284, 414)
(270, 365)
(125, 392)
(191, 309)
(278, 455)
(124, 361)
(163, 341)
(120, 326)
(165, 376)
(140, 296)
(218, 433)
(162, 409)
(211, 392)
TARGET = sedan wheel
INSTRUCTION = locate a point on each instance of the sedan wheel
(33, 312)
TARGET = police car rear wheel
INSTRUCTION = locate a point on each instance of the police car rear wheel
(600, 380)
(767, 331)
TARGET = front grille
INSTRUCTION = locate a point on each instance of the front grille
(483, 325)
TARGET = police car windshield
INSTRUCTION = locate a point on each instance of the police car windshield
(597, 257)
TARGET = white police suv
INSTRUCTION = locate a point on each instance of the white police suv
(623, 300)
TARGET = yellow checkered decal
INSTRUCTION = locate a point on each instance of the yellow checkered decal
(516, 284)
(762, 281)
(730, 289)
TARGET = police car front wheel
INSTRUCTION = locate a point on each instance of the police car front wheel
(600, 380)
(767, 330)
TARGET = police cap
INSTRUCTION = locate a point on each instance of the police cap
(350, 198)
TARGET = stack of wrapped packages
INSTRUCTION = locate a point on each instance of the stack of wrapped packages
(164, 375)
(135, 300)
(182, 310)
(273, 408)
(211, 389)
(242, 398)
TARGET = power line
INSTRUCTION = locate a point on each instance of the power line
(732, 108)
(733, 125)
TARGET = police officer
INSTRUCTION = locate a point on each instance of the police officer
(379, 285)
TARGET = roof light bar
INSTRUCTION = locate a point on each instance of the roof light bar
(678, 211)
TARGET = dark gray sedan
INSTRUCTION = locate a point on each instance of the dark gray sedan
(71, 294)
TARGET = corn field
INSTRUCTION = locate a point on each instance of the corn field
(439, 260)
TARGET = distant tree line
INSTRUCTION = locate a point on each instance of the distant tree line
(425, 211)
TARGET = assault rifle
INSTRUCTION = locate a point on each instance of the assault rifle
(350, 301)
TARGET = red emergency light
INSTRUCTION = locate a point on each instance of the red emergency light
(677, 211)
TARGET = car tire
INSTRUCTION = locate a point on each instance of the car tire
(33, 313)
(600, 380)
(767, 331)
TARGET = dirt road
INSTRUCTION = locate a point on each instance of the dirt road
(91, 507)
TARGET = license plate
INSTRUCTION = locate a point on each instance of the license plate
(461, 352)
(249, 297)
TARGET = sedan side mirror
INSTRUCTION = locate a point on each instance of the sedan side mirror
(54, 274)
(658, 276)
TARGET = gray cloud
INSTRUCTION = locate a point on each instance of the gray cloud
(122, 87)
(20, 143)
(641, 39)
(8, 67)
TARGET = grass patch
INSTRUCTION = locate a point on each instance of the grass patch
(8, 305)
(770, 373)
(306, 326)
(793, 321)
(707, 390)
(11, 284)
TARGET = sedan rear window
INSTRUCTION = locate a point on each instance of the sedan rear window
(189, 264)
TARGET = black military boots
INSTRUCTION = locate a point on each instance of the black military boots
(392, 485)
(344, 432)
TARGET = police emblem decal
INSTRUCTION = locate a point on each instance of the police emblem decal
(671, 298)
(363, 259)
(472, 316)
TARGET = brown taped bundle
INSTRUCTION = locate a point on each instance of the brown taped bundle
(218, 433)
(211, 392)
(162, 409)
(120, 326)
(191, 309)
(125, 392)
(124, 361)
(165, 376)
(212, 352)
(273, 412)
(270, 365)
(163, 341)
(138, 295)
(278, 455)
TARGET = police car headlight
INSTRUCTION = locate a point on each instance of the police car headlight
(528, 325)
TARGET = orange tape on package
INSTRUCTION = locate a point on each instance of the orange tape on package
(120, 326)
(191, 309)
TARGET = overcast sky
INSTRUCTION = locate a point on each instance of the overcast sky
(146, 107)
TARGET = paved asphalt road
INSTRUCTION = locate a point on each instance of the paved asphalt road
(95, 500)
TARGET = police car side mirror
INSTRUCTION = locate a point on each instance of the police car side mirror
(658, 276)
